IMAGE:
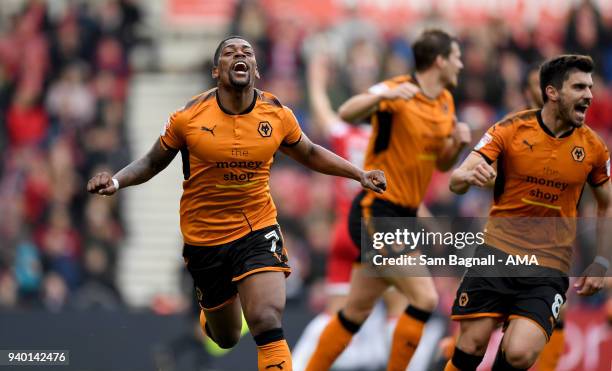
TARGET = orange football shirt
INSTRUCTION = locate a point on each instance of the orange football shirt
(407, 138)
(226, 165)
(540, 176)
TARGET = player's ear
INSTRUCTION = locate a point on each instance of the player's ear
(552, 93)
(257, 73)
(440, 61)
(215, 72)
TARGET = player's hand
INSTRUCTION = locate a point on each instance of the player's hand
(374, 180)
(462, 133)
(101, 184)
(405, 90)
(481, 175)
(592, 280)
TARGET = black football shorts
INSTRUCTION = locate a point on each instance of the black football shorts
(217, 269)
(380, 216)
(538, 299)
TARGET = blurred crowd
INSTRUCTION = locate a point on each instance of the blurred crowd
(63, 86)
(497, 56)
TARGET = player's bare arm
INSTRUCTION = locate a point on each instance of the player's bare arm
(363, 105)
(317, 158)
(137, 172)
(593, 278)
(320, 106)
(460, 137)
(474, 171)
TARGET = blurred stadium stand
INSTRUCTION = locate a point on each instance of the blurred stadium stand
(88, 85)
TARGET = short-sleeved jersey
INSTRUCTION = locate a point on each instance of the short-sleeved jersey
(408, 136)
(540, 176)
(226, 165)
(350, 142)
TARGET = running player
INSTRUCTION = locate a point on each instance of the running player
(411, 137)
(370, 348)
(233, 248)
(553, 147)
(553, 350)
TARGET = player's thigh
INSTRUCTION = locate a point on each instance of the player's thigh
(365, 290)
(420, 290)
(335, 302)
(395, 302)
(225, 322)
(480, 304)
(340, 262)
(259, 265)
(474, 334)
(215, 292)
(523, 341)
(262, 296)
(211, 276)
(540, 301)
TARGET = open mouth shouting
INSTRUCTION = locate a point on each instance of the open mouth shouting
(580, 109)
(240, 69)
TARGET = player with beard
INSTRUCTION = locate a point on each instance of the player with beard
(552, 146)
(227, 137)
(412, 134)
(552, 352)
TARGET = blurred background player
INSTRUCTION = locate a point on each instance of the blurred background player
(234, 248)
(370, 347)
(530, 305)
(409, 146)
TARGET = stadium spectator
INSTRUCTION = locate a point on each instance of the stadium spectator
(62, 91)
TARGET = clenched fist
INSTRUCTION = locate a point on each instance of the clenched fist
(374, 180)
(481, 175)
(405, 91)
(102, 184)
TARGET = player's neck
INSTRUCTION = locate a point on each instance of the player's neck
(235, 101)
(550, 118)
(429, 82)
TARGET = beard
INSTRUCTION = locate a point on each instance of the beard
(566, 113)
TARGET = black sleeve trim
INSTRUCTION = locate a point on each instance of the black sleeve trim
(600, 183)
(186, 164)
(292, 144)
(161, 139)
(383, 134)
(487, 159)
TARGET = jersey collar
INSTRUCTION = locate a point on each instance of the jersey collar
(247, 110)
(547, 130)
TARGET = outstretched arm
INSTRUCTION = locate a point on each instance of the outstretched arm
(364, 105)
(137, 172)
(317, 158)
